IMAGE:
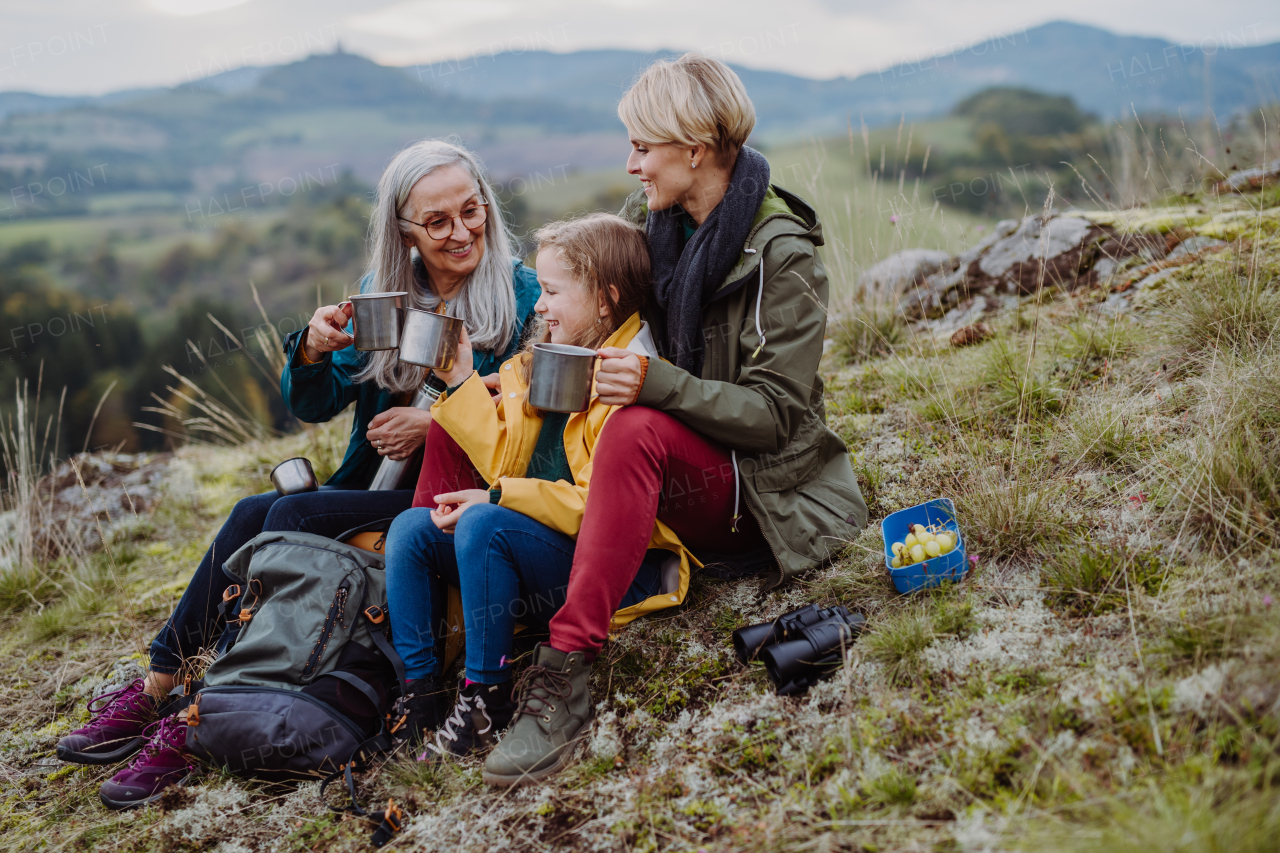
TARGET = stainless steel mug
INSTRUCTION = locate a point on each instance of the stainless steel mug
(429, 339)
(378, 318)
(294, 476)
(560, 378)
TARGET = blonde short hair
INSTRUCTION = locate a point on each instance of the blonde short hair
(693, 100)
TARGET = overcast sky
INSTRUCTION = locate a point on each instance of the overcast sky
(96, 46)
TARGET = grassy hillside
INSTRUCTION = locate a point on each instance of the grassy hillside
(1102, 680)
(865, 217)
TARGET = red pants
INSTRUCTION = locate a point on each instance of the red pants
(646, 466)
(445, 468)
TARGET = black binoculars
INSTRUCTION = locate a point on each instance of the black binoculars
(801, 647)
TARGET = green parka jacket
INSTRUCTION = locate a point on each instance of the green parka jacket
(760, 393)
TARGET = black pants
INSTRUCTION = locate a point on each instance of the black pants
(330, 511)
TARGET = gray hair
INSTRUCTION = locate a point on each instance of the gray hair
(486, 304)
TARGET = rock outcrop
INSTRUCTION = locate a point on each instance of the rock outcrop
(896, 274)
(1119, 250)
(1251, 180)
(111, 489)
(1019, 257)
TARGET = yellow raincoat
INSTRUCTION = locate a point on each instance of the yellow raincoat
(500, 440)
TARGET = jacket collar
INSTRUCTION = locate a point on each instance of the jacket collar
(801, 220)
(623, 335)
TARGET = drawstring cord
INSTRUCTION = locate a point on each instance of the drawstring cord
(733, 454)
(759, 297)
(733, 525)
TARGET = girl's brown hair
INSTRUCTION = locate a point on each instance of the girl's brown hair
(598, 251)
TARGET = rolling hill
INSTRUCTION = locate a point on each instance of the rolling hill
(1104, 72)
(538, 113)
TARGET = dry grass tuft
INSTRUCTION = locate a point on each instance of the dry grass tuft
(867, 329)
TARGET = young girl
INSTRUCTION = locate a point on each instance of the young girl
(502, 492)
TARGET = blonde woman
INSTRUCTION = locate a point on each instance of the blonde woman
(724, 442)
(436, 232)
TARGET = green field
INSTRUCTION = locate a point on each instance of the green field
(865, 217)
(133, 236)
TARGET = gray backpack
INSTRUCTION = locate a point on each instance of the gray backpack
(306, 677)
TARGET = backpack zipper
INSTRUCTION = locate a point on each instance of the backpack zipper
(326, 632)
(355, 731)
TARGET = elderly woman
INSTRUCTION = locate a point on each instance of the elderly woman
(437, 233)
(725, 443)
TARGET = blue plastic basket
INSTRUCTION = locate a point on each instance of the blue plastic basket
(931, 572)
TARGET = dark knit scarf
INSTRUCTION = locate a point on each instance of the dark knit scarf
(684, 281)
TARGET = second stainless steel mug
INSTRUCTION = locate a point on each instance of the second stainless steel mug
(378, 318)
(429, 339)
(560, 378)
(294, 476)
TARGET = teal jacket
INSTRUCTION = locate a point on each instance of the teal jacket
(318, 392)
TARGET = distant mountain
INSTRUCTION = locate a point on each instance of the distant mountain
(538, 113)
(1104, 72)
(274, 127)
(28, 102)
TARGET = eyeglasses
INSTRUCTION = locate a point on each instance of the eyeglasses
(440, 226)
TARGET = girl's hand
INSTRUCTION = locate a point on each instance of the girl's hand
(325, 331)
(399, 431)
(451, 505)
(618, 380)
(494, 383)
(462, 363)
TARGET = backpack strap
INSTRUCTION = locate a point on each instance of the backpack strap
(344, 772)
(358, 683)
(382, 525)
(392, 820)
(377, 617)
(235, 610)
(379, 743)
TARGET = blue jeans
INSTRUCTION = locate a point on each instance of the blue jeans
(509, 568)
(330, 511)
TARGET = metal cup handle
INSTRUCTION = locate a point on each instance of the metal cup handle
(342, 307)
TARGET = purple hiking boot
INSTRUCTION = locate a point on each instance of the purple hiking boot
(164, 761)
(116, 730)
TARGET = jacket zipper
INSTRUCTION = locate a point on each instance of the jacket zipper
(326, 632)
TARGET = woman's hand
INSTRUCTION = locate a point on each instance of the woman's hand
(399, 431)
(462, 363)
(325, 331)
(451, 505)
(618, 379)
